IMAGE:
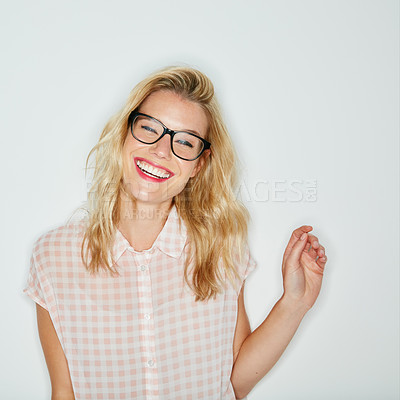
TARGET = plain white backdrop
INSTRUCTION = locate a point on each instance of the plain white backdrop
(310, 93)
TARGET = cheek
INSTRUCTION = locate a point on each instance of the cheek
(196, 168)
(126, 158)
(187, 169)
(126, 149)
(131, 146)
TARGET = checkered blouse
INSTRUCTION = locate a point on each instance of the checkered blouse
(140, 335)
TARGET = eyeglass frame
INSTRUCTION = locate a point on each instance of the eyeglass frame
(166, 131)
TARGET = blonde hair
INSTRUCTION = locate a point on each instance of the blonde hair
(216, 221)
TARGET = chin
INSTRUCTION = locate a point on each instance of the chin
(154, 197)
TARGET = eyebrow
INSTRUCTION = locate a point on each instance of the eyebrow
(175, 130)
(190, 131)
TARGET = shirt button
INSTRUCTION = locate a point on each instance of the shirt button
(150, 363)
(143, 267)
(147, 316)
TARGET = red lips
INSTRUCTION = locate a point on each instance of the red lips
(148, 177)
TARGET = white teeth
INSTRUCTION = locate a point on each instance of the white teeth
(152, 171)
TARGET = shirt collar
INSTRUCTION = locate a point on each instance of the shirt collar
(171, 240)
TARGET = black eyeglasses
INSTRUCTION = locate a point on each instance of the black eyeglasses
(148, 130)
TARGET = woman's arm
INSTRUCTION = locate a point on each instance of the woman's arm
(303, 266)
(61, 386)
(243, 329)
(263, 347)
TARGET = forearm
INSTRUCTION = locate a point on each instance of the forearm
(263, 347)
(59, 396)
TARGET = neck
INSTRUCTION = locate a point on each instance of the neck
(141, 222)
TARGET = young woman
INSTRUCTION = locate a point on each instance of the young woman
(143, 297)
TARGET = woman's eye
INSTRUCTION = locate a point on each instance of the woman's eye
(148, 129)
(184, 143)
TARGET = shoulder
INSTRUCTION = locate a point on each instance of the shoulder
(64, 239)
(246, 263)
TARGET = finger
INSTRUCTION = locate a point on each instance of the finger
(311, 246)
(297, 248)
(299, 231)
(294, 238)
(311, 251)
(313, 241)
(322, 261)
(321, 251)
(314, 253)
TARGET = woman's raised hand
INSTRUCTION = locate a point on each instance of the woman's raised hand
(303, 266)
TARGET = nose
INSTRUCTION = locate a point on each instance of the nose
(162, 148)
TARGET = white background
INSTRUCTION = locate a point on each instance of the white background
(310, 91)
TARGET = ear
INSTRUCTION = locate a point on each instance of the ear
(200, 162)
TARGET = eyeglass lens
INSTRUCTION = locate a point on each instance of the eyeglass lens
(184, 145)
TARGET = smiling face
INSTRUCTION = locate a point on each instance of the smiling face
(152, 173)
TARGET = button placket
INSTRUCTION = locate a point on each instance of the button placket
(145, 301)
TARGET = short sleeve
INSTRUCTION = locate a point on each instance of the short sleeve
(35, 287)
(244, 267)
(249, 264)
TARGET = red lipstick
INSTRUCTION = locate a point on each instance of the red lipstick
(151, 178)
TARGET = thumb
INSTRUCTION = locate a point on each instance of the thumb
(298, 247)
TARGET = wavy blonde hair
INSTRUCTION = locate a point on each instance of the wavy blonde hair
(216, 221)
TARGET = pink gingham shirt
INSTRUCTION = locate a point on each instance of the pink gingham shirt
(140, 335)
